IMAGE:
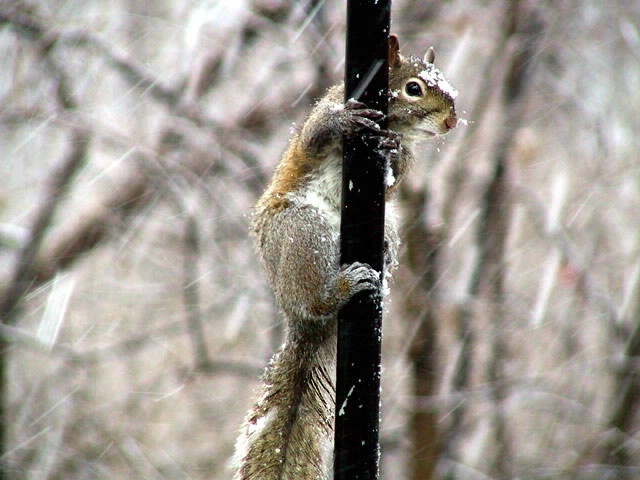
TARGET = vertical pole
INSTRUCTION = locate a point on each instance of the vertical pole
(357, 450)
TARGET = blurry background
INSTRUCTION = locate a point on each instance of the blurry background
(135, 137)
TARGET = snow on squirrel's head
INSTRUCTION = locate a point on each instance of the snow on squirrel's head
(421, 99)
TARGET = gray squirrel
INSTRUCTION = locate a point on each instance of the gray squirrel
(296, 223)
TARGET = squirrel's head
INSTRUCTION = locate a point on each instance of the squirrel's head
(421, 101)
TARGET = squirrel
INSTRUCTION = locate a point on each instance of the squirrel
(296, 223)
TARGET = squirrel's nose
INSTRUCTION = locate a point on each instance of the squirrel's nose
(451, 121)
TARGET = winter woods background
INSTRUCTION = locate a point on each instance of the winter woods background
(135, 137)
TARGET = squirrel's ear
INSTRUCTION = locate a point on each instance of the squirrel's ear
(394, 51)
(430, 56)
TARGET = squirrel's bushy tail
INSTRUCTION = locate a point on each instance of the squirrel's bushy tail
(286, 433)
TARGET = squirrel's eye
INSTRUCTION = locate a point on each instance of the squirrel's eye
(413, 88)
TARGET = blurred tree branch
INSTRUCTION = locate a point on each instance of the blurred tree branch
(614, 449)
(191, 292)
(187, 209)
(625, 404)
(61, 178)
(421, 259)
(85, 230)
(44, 256)
(587, 286)
(522, 34)
(493, 72)
(131, 346)
(21, 279)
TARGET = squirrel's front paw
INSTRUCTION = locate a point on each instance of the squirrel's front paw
(357, 277)
(389, 144)
(359, 118)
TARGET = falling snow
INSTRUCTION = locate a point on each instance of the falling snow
(138, 320)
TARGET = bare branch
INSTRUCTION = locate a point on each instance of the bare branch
(521, 36)
(86, 229)
(131, 346)
(191, 292)
(587, 284)
(21, 279)
(134, 73)
(423, 247)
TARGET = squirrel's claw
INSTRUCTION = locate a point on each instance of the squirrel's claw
(361, 118)
(389, 144)
(360, 276)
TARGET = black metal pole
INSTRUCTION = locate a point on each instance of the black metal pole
(357, 450)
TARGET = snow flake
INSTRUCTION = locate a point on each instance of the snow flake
(344, 404)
